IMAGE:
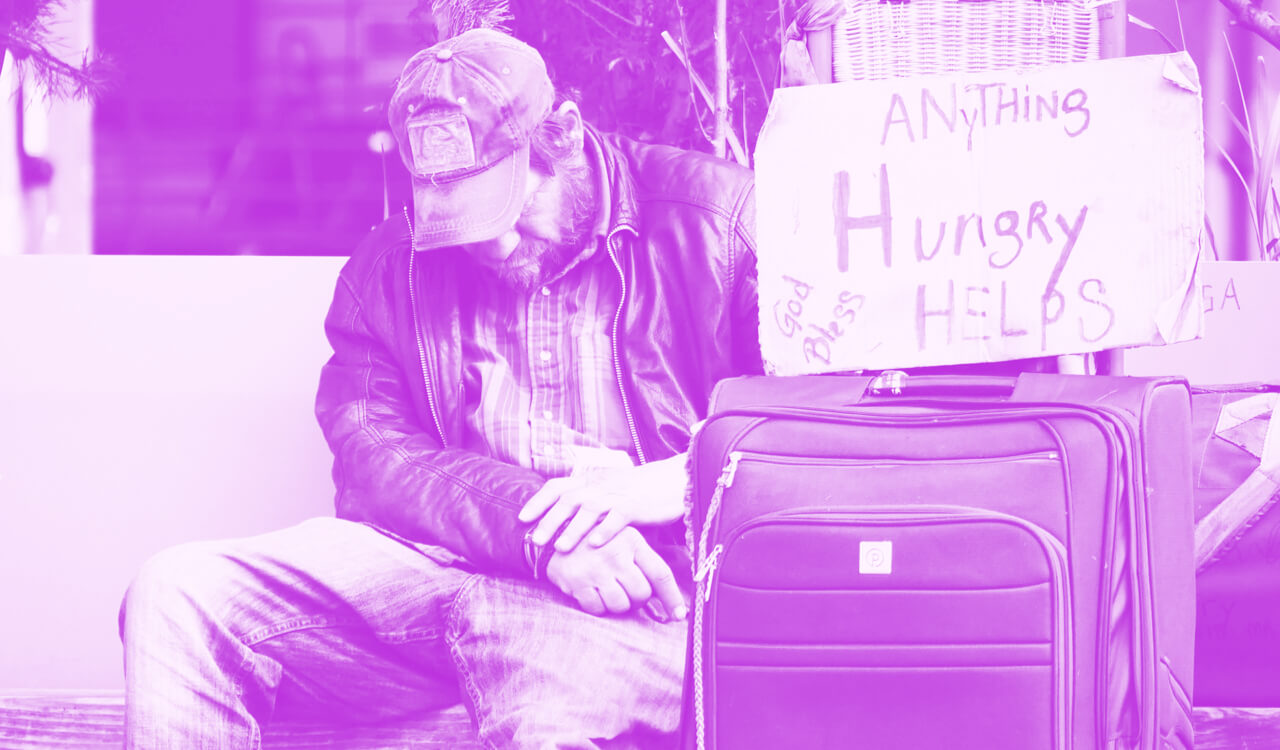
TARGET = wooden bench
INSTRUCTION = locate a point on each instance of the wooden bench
(47, 719)
(44, 720)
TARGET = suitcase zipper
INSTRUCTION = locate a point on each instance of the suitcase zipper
(1125, 490)
(1054, 550)
(1130, 486)
(707, 561)
(704, 565)
(776, 458)
(707, 564)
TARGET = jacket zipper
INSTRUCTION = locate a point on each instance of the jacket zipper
(613, 340)
(417, 334)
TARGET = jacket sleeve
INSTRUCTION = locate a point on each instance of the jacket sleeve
(745, 304)
(392, 471)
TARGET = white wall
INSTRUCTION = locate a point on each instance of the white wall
(144, 401)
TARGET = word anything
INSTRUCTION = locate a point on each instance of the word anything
(989, 105)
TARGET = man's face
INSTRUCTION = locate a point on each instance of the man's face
(548, 231)
(537, 221)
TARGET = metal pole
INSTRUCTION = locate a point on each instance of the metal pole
(722, 79)
(1113, 19)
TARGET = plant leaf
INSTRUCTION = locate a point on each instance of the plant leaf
(1213, 243)
(1144, 25)
(1266, 164)
(1257, 231)
(1242, 130)
(1244, 102)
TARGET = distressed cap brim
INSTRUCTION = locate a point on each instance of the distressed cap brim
(477, 208)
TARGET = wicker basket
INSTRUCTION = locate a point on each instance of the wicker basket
(877, 39)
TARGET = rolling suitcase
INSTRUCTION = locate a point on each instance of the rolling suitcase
(942, 562)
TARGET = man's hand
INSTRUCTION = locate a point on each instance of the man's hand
(606, 501)
(621, 574)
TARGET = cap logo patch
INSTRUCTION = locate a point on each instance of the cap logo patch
(441, 142)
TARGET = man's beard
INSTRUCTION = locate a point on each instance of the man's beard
(535, 260)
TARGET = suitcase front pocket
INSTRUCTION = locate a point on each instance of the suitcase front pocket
(938, 627)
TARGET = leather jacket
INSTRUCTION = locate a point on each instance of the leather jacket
(681, 237)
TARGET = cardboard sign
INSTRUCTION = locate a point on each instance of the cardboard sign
(1241, 309)
(980, 217)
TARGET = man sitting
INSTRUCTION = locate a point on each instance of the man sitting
(516, 371)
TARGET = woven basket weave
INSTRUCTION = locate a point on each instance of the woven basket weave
(877, 39)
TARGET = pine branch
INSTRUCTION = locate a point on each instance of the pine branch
(453, 17)
(24, 31)
(587, 15)
(59, 79)
(28, 14)
(633, 22)
(1249, 14)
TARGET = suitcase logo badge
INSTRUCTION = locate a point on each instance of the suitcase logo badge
(875, 558)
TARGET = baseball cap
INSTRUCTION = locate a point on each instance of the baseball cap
(462, 113)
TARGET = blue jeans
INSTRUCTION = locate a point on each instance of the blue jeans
(339, 621)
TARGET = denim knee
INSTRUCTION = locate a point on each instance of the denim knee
(173, 580)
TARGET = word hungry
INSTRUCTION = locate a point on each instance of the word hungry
(967, 229)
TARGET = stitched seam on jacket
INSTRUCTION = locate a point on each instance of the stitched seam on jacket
(709, 207)
(368, 429)
(732, 243)
(340, 473)
(371, 268)
(735, 237)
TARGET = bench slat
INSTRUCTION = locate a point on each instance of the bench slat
(59, 720)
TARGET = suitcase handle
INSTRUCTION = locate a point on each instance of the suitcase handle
(897, 384)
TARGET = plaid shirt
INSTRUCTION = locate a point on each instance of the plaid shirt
(540, 387)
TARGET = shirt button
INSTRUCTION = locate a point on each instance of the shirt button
(544, 355)
(545, 292)
(547, 415)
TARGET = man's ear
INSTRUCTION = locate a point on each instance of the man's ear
(570, 118)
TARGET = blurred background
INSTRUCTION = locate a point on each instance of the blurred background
(256, 126)
(148, 401)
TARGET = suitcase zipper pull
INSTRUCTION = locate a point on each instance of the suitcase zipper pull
(706, 570)
(730, 470)
(707, 562)
(723, 482)
(706, 566)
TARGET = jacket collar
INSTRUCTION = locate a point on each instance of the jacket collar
(623, 212)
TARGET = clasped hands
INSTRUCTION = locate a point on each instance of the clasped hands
(601, 560)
